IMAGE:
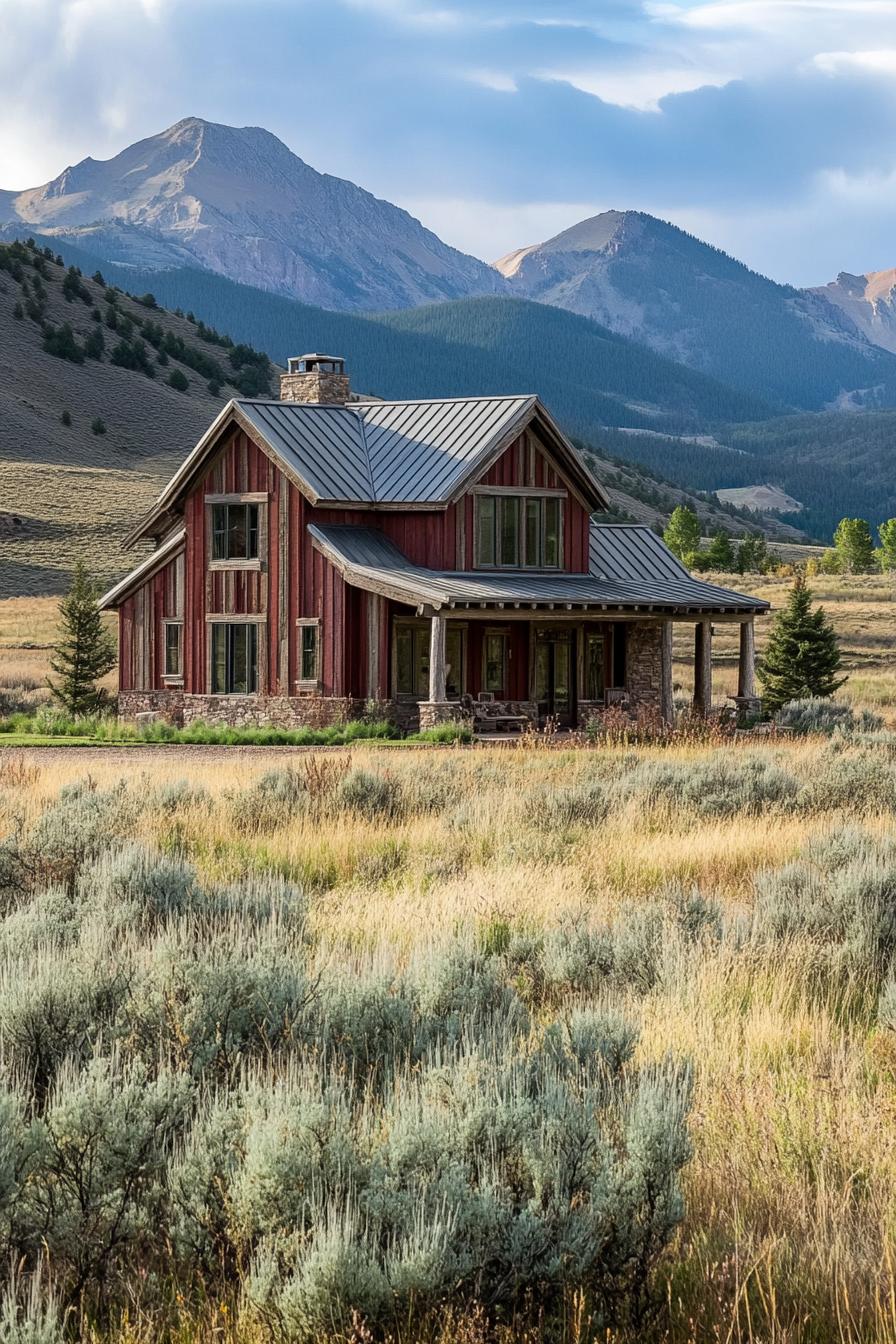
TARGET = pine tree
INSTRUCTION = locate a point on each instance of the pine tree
(720, 555)
(802, 658)
(682, 534)
(853, 543)
(84, 652)
(887, 554)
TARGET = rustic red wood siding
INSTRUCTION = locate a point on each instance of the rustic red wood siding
(141, 617)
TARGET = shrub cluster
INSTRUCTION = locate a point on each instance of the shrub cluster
(192, 1092)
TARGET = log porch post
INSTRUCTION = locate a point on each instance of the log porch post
(702, 668)
(667, 709)
(437, 673)
(746, 666)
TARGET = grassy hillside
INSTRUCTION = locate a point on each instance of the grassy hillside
(65, 489)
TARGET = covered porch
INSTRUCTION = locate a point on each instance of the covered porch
(561, 671)
(559, 647)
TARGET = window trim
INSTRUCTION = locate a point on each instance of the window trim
(173, 678)
(309, 683)
(521, 495)
(460, 628)
(503, 633)
(237, 618)
(246, 497)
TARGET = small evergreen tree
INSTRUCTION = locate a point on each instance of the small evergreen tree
(682, 534)
(886, 556)
(94, 344)
(84, 652)
(802, 658)
(98, 425)
(178, 380)
(66, 418)
(720, 555)
(853, 543)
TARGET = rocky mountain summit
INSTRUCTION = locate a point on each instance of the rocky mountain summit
(868, 301)
(238, 202)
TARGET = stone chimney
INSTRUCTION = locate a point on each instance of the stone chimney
(315, 380)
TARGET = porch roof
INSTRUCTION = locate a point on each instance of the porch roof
(631, 571)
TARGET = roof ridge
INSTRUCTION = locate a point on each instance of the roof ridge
(373, 494)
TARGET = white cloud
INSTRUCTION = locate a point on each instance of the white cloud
(493, 79)
(881, 62)
(641, 88)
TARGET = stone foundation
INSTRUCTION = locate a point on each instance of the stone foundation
(169, 705)
(271, 711)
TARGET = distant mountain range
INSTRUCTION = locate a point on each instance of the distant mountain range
(238, 203)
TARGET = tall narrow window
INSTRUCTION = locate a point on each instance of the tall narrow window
(234, 531)
(510, 529)
(234, 658)
(532, 555)
(594, 667)
(495, 661)
(552, 533)
(174, 639)
(411, 659)
(485, 530)
(309, 652)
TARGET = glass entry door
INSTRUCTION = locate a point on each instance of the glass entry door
(555, 675)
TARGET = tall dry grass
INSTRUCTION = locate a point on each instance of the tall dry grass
(791, 1190)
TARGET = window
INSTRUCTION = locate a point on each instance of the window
(495, 657)
(518, 531)
(309, 651)
(594, 667)
(234, 531)
(412, 660)
(174, 642)
(234, 658)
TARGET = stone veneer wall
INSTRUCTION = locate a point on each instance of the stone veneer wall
(643, 666)
(267, 711)
(169, 704)
(331, 389)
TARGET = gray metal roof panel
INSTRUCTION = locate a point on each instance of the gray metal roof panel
(419, 451)
(323, 445)
(366, 555)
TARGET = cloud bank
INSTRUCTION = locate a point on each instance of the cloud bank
(766, 126)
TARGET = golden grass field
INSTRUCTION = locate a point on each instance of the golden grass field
(789, 1235)
(791, 1191)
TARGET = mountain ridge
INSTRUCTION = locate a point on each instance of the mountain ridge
(238, 202)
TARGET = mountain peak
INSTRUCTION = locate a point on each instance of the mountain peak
(238, 201)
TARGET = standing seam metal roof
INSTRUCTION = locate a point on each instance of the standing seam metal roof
(385, 452)
(368, 557)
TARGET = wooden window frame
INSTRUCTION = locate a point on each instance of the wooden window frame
(260, 622)
(503, 632)
(309, 684)
(520, 495)
(253, 563)
(424, 627)
(173, 678)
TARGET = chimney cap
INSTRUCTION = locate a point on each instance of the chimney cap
(316, 362)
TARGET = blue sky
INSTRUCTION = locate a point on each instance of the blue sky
(767, 127)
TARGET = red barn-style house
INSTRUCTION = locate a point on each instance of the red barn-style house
(440, 558)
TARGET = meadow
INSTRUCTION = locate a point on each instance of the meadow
(531, 1044)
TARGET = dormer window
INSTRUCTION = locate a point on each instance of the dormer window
(519, 531)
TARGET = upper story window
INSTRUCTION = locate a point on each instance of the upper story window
(519, 531)
(235, 531)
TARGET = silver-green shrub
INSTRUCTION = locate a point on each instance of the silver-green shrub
(723, 786)
(815, 715)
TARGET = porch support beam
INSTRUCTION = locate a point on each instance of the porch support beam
(667, 710)
(702, 668)
(746, 667)
(437, 673)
